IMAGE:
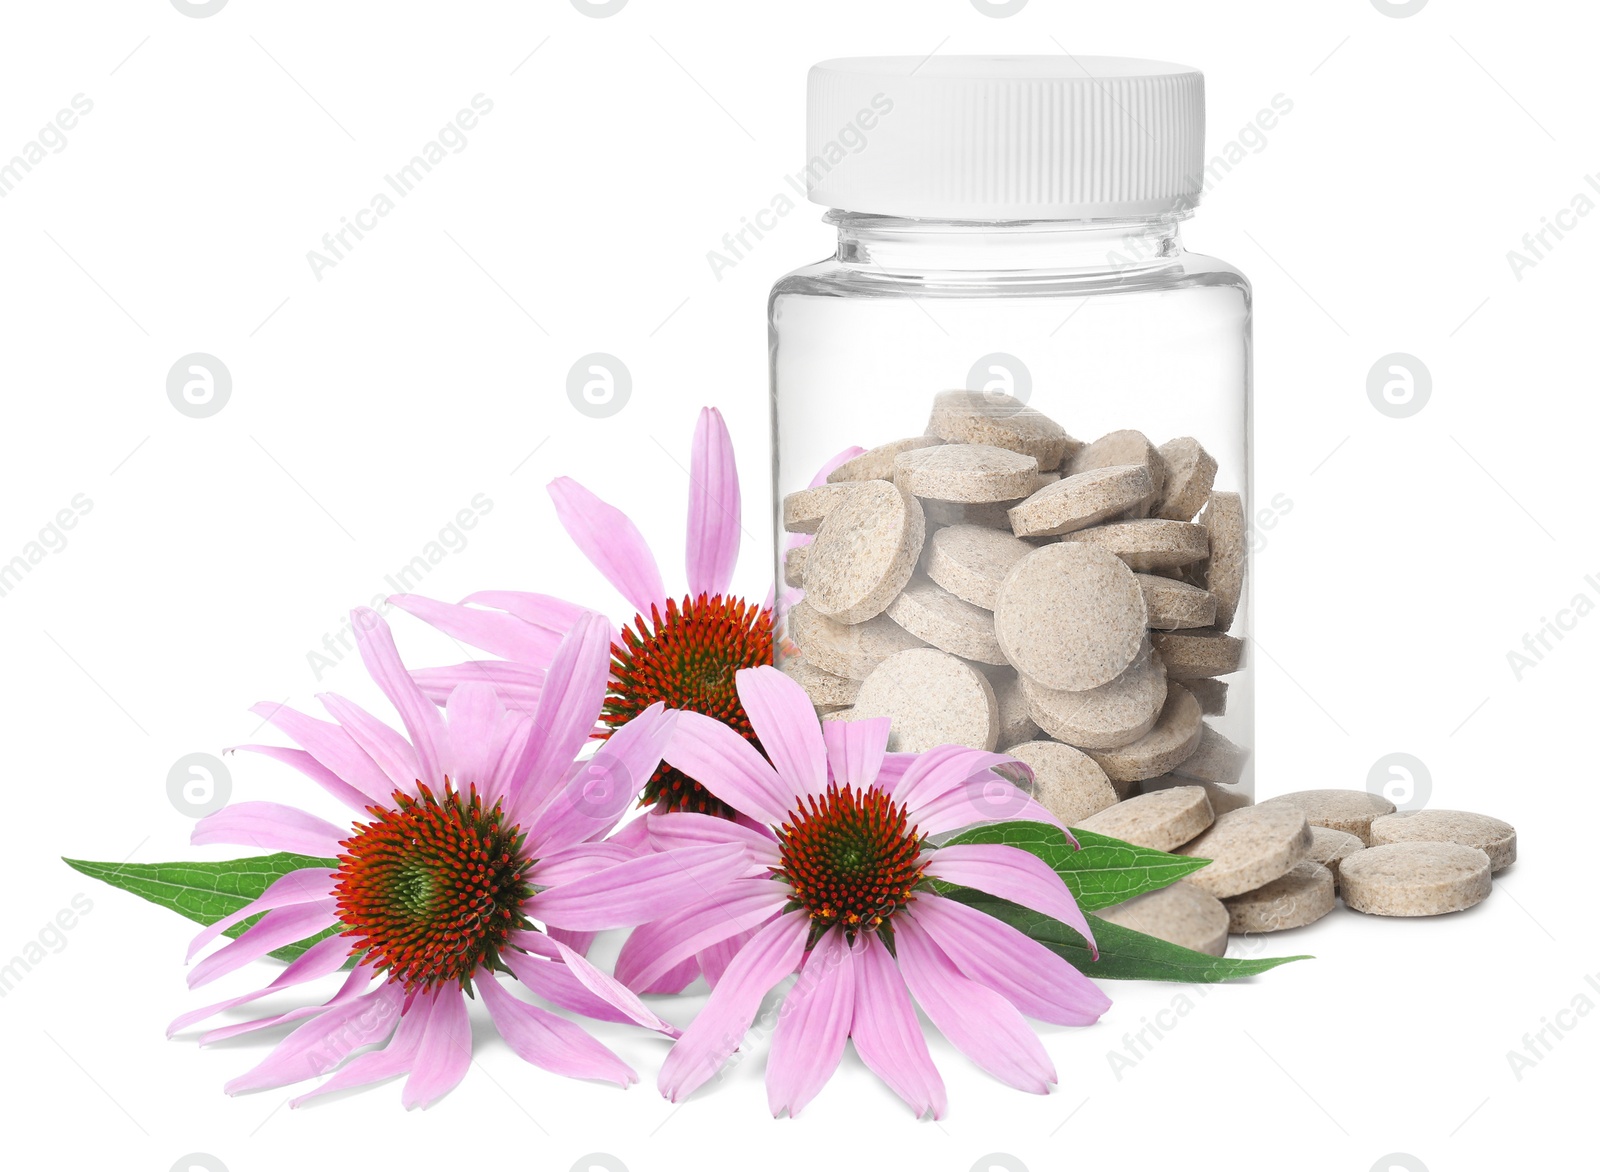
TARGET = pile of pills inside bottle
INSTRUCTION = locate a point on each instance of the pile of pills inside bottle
(996, 583)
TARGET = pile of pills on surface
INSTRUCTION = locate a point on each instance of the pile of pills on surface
(997, 584)
(1286, 862)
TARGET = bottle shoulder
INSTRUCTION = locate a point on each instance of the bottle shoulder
(832, 277)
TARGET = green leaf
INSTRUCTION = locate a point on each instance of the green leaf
(1103, 872)
(1125, 955)
(206, 892)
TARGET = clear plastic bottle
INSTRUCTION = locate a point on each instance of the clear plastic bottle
(1010, 227)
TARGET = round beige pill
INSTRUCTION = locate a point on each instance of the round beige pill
(1124, 447)
(971, 561)
(1222, 573)
(1301, 897)
(1215, 759)
(1414, 879)
(1113, 714)
(1002, 421)
(1174, 605)
(864, 553)
(1016, 725)
(932, 699)
(1070, 617)
(1147, 544)
(1332, 847)
(1162, 821)
(1493, 837)
(1190, 472)
(803, 511)
(967, 473)
(878, 463)
(988, 516)
(1212, 694)
(1199, 653)
(1248, 848)
(1079, 501)
(1065, 782)
(1349, 810)
(1172, 740)
(825, 689)
(1180, 914)
(849, 651)
(940, 619)
(1223, 798)
(794, 565)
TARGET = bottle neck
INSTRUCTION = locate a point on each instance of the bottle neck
(891, 245)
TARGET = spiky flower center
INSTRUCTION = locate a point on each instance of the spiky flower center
(687, 657)
(432, 888)
(851, 857)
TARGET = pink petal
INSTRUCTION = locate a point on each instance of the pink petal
(942, 770)
(305, 886)
(354, 986)
(332, 746)
(786, 724)
(544, 611)
(518, 685)
(322, 1043)
(730, 767)
(315, 770)
(983, 799)
(538, 1036)
(812, 1026)
(557, 984)
(631, 893)
(682, 828)
(714, 960)
(569, 705)
(579, 942)
(269, 826)
(655, 948)
(391, 752)
(1012, 873)
(714, 508)
(500, 634)
(634, 835)
(979, 1022)
(610, 989)
(578, 861)
(856, 750)
(721, 1025)
(422, 720)
(281, 926)
(677, 979)
(611, 542)
(376, 1065)
(322, 958)
(597, 792)
(887, 1034)
(1020, 969)
(446, 1049)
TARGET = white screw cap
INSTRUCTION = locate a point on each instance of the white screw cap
(1005, 138)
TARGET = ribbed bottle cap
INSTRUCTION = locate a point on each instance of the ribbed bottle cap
(1005, 138)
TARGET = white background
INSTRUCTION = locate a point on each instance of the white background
(429, 366)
